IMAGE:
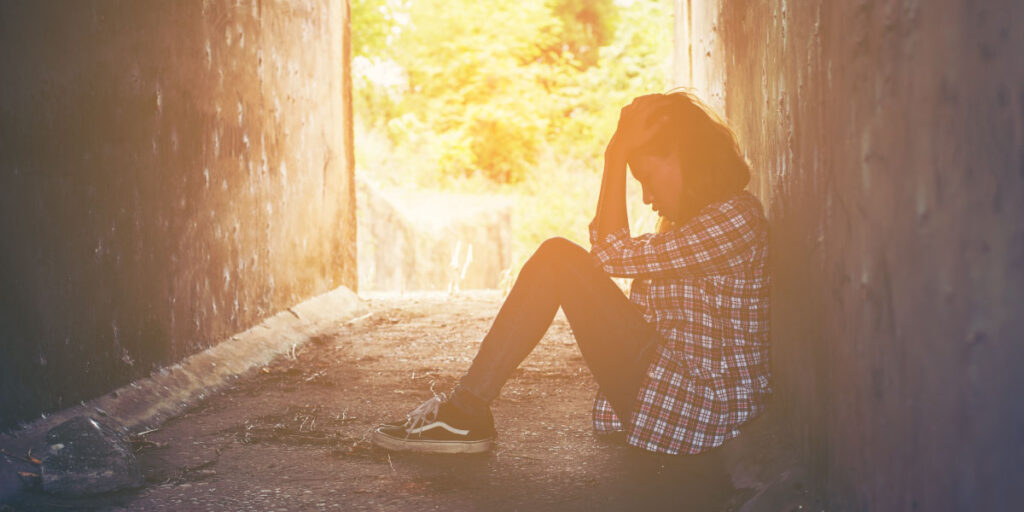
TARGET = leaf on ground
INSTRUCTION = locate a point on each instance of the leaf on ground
(29, 459)
(30, 480)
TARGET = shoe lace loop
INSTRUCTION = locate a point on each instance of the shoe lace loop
(425, 413)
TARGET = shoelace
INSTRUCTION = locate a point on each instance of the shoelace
(425, 413)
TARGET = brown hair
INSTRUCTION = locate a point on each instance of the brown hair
(710, 160)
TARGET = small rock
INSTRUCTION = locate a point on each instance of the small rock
(89, 456)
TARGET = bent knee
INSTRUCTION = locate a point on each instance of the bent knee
(559, 249)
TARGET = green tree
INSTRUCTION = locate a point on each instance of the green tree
(371, 23)
(505, 96)
(478, 73)
(587, 25)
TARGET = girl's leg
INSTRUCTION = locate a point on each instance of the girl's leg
(615, 340)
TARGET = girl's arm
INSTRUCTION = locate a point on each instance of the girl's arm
(723, 239)
(633, 129)
(611, 202)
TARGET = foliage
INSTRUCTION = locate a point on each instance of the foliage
(587, 25)
(517, 97)
(371, 24)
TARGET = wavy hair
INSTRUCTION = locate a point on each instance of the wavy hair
(710, 160)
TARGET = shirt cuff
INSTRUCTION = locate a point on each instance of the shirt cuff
(608, 238)
(604, 249)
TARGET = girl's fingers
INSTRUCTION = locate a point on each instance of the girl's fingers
(639, 121)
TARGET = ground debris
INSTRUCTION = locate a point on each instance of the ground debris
(28, 458)
(186, 474)
(359, 449)
(297, 425)
(279, 439)
(141, 444)
(31, 480)
(270, 374)
(319, 377)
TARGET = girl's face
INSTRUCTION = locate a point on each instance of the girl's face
(662, 183)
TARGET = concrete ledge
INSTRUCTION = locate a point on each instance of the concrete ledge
(170, 391)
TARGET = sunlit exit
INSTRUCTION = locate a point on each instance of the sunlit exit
(632, 254)
(482, 125)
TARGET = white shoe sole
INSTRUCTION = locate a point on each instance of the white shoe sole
(422, 446)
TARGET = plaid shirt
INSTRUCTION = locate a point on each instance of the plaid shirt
(704, 286)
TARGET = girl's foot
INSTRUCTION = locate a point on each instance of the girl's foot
(437, 426)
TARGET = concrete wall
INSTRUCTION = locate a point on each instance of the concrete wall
(888, 142)
(425, 240)
(170, 173)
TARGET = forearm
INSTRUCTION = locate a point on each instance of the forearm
(611, 204)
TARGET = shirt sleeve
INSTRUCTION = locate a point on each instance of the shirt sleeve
(715, 242)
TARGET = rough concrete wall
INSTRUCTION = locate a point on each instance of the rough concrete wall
(888, 139)
(170, 173)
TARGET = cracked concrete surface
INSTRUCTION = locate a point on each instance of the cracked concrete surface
(293, 435)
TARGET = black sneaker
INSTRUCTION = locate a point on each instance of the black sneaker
(437, 426)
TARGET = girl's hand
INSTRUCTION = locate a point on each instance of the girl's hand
(638, 122)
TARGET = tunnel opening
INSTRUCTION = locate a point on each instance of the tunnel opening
(479, 129)
(175, 173)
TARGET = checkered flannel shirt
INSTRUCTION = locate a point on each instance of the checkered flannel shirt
(704, 286)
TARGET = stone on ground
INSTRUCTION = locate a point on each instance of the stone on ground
(89, 456)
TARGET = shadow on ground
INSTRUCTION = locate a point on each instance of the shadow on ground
(294, 434)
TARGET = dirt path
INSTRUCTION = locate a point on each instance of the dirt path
(294, 435)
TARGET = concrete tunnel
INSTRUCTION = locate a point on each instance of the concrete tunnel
(172, 173)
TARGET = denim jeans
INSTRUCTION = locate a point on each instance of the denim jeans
(615, 340)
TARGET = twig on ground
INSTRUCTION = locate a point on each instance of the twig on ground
(148, 431)
(315, 376)
(522, 456)
(345, 418)
(29, 459)
(359, 318)
(140, 444)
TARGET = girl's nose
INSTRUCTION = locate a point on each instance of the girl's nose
(647, 196)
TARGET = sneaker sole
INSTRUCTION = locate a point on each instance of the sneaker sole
(407, 445)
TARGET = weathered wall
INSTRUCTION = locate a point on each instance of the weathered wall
(170, 173)
(410, 240)
(888, 138)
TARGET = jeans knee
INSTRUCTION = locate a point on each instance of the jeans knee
(555, 262)
(559, 250)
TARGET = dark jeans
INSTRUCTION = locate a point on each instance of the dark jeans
(616, 342)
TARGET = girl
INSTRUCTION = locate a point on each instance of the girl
(681, 363)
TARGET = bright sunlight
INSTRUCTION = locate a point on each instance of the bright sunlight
(505, 98)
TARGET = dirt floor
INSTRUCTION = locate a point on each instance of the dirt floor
(294, 435)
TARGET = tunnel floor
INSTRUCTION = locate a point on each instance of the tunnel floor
(294, 435)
